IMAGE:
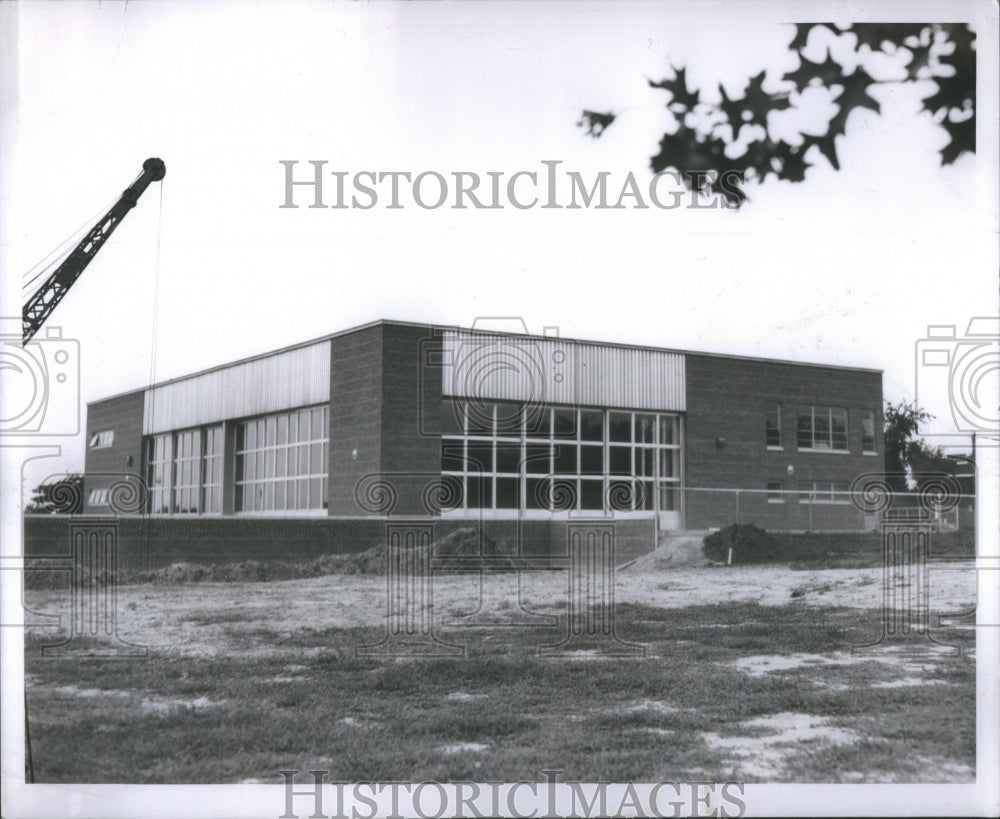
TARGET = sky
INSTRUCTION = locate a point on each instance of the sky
(848, 267)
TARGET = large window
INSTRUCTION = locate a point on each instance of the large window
(822, 428)
(502, 455)
(184, 471)
(282, 461)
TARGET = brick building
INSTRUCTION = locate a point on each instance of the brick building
(514, 431)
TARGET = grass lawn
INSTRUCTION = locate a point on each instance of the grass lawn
(732, 690)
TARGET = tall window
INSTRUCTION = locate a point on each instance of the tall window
(823, 428)
(159, 472)
(502, 455)
(184, 471)
(868, 431)
(282, 461)
(773, 425)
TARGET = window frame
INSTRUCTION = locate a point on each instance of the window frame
(827, 418)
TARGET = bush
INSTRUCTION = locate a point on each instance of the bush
(749, 545)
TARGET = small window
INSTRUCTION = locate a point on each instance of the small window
(775, 492)
(98, 497)
(102, 439)
(868, 432)
(773, 425)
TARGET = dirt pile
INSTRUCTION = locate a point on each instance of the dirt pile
(740, 543)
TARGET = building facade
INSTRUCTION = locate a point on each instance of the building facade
(396, 419)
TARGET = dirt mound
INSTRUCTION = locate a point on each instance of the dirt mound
(673, 554)
(741, 543)
(469, 546)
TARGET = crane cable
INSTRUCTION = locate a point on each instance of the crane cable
(152, 370)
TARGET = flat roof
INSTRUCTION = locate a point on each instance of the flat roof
(486, 332)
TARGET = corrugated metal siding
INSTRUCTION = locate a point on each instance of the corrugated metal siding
(561, 372)
(294, 378)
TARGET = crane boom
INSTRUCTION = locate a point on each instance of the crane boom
(44, 301)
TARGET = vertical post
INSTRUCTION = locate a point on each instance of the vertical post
(906, 621)
(94, 594)
(591, 611)
(409, 597)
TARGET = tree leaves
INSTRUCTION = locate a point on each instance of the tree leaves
(595, 122)
(707, 132)
(681, 98)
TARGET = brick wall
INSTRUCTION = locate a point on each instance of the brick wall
(156, 542)
(411, 414)
(123, 414)
(728, 398)
(355, 415)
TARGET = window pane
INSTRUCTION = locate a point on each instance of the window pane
(644, 428)
(508, 457)
(592, 460)
(537, 458)
(537, 493)
(668, 430)
(480, 417)
(620, 460)
(643, 461)
(838, 427)
(821, 428)
(538, 421)
(591, 494)
(620, 495)
(868, 431)
(803, 435)
(480, 456)
(773, 424)
(507, 492)
(319, 430)
(564, 495)
(564, 422)
(669, 463)
(480, 491)
(669, 498)
(315, 501)
(644, 495)
(508, 419)
(591, 425)
(451, 456)
(565, 459)
(282, 430)
(619, 426)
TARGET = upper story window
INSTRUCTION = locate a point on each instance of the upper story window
(822, 428)
(868, 431)
(102, 439)
(773, 425)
